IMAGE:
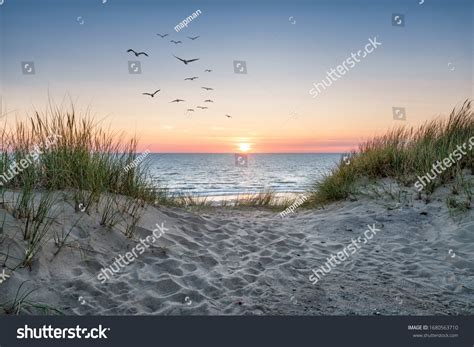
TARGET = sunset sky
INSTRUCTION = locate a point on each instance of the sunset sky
(425, 67)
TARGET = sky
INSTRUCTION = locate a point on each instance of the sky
(79, 52)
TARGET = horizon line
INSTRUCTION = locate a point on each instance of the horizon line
(236, 152)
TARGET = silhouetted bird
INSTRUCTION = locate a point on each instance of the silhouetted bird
(207, 88)
(208, 100)
(228, 116)
(152, 94)
(162, 36)
(177, 100)
(184, 60)
(202, 107)
(137, 54)
(193, 38)
(190, 110)
(207, 70)
(175, 42)
(190, 78)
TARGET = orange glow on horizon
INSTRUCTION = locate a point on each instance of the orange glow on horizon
(244, 147)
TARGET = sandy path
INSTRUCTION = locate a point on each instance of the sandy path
(246, 261)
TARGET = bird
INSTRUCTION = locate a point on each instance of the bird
(190, 110)
(152, 94)
(137, 53)
(175, 42)
(207, 70)
(190, 78)
(202, 107)
(228, 116)
(162, 36)
(185, 61)
(177, 100)
(208, 100)
(193, 38)
(207, 88)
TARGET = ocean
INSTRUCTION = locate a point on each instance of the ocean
(224, 174)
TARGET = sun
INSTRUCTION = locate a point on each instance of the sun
(244, 147)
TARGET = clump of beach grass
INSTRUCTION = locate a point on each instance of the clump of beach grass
(85, 158)
(403, 154)
(265, 199)
(21, 304)
(63, 150)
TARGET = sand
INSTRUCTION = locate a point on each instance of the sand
(248, 261)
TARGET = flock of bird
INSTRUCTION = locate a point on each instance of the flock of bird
(185, 62)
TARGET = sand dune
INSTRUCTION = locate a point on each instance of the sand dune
(248, 261)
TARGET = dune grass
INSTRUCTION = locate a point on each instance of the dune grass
(20, 304)
(403, 154)
(76, 154)
(84, 157)
(61, 152)
(265, 199)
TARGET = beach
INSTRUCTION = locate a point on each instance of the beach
(237, 174)
(251, 261)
